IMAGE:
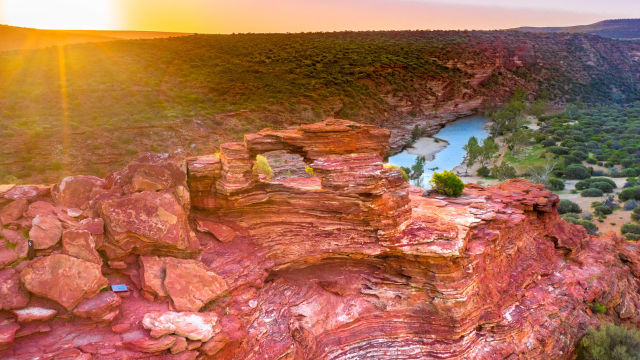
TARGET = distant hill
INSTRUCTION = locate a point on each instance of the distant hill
(17, 38)
(614, 29)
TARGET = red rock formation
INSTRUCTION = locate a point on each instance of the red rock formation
(349, 264)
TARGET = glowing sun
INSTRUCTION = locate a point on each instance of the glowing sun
(59, 14)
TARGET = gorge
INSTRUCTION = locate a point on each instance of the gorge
(343, 262)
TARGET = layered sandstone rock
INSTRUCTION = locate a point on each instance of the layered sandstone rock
(351, 263)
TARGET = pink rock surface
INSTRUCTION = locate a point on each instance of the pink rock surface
(221, 232)
(191, 284)
(12, 294)
(80, 244)
(103, 307)
(75, 191)
(13, 211)
(46, 231)
(63, 278)
(193, 326)
(147, 223)
(30, 314)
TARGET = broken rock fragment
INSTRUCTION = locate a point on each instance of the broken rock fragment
(103, 307)
(46, 231)
(193, 326)
(63, 278)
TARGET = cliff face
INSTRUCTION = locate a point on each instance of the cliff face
(352, 263)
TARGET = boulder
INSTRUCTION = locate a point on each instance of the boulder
(150, 172)
(191, 284)
(13, 211)
(75, 191)
(12, 294)
(214, 345)
(193, 326)
(152, 274)
(103, 307)
(46, 231)
(63, 278)
(80, 244)
(40, 208)
(147, 223)
(31, 314)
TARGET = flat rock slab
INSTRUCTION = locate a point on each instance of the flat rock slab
(193, 326)
(46, 231)
(80, 244)
(64, 279)
(31, 314)
(191, 284)
(102, 307)
(222, 232)
(13, 211)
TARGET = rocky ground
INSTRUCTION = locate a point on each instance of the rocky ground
(352, 263)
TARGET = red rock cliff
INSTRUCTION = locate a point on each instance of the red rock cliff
(342, 262)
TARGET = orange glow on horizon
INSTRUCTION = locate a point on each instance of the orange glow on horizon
(65, 105)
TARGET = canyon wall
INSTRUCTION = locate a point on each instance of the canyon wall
(333, 257)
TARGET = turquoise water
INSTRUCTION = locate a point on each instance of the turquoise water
(457, 134)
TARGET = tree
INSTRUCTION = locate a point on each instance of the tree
(418, 168)
(488, 150)
(518, 141)
(473, 151)
(538, 108)
(447, 183)
(572, 111)
(539, 173)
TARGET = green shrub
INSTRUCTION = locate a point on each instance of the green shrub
(591, 193)
(631, 237)
(555, 184)
(391, 166)
(577, 172)
(568, 206)
(610, 342)
(261, 166)
(131, 151)
(630, 228)
(8, 133)
(591, 228)
(635, 214)
(558, 150)
(630, 193)
(604, 210)
(605, 187)
(503, 172)
(591, 160)
(447, 183)
(484, 172)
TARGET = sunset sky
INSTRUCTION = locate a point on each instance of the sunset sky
(227, 16)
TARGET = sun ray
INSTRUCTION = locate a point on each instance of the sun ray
(65, 107)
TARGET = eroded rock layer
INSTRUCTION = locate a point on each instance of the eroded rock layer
(334, 257)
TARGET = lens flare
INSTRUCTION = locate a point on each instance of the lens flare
(59, 14)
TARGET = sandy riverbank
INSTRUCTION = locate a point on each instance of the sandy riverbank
(427, 147)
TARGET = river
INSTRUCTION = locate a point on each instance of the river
(457, 134)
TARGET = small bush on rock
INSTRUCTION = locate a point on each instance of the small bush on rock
(447, 183)
(261, 166)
